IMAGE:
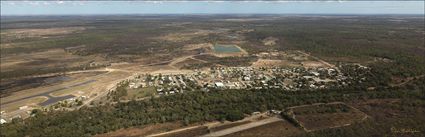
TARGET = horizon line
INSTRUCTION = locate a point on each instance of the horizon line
(108, 14)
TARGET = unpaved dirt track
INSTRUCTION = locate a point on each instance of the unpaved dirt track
(174, 131)
(242, 127)
(407, 80)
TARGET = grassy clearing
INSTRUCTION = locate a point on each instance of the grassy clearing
(28, 102)
(140, 92)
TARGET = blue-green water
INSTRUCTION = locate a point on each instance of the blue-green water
(226, 48)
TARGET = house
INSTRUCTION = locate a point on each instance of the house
(255, 113)
(275, 111)
(132, 85)
(315, 73)
(246, 78)
(2, 121)
(23, 107)
(219, 85)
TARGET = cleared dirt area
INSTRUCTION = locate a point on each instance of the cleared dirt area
(307, 55)
(274, 63)
(288, 58)
(275, 129)
(270, 41)
(197, 46)
(313, 64)
(323, 116)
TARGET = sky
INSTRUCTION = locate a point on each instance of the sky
(209, 7)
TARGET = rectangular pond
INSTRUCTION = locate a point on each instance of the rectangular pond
(220, 48)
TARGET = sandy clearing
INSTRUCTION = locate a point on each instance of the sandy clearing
(272, 63)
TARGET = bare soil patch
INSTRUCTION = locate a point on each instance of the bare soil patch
(288, 58)
(227, 61)
(197, 46)
(313, 64)
(274, 63)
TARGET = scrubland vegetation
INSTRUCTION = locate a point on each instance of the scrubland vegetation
(392, 50)
(196, 107)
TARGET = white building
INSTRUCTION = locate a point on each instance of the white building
(23, 107)
(219, 84)
(2, 121)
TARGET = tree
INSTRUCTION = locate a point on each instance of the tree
(234, 115)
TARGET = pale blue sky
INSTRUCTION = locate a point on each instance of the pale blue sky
(209, 7)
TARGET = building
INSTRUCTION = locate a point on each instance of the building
(219, 85)
(2, 121)
(23, 107)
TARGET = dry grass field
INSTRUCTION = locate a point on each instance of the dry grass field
(185, 36)
(45, 59)
(275, 129)
(28, 33)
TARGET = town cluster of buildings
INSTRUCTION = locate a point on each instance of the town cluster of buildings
(244, 78)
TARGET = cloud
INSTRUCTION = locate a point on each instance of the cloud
(60, 2)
